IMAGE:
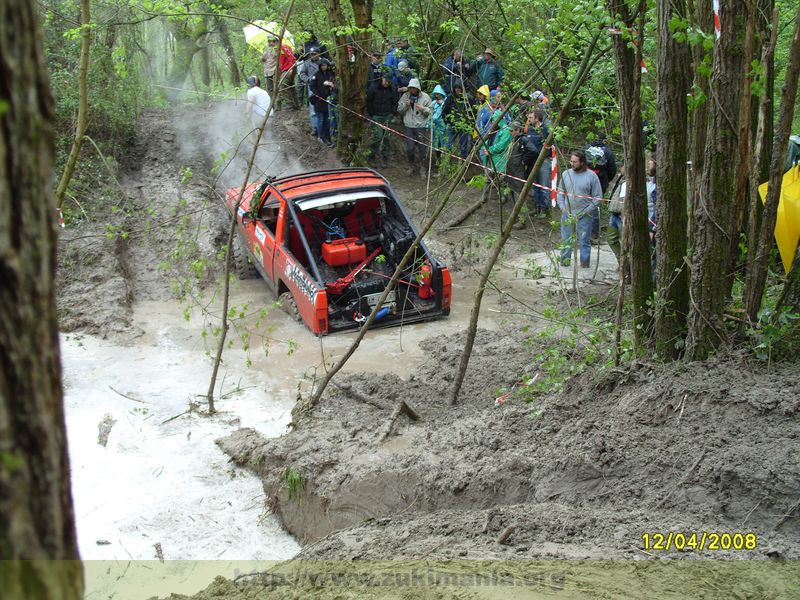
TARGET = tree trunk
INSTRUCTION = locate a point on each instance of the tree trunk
(714, 216)
(629, 76)
(698, 120)
(790, 297)
(757, 275)
(185, 48)
(743, 153)
(83, 106)
(36, 513)
(672, 303)
(233, 67)
(352, 77)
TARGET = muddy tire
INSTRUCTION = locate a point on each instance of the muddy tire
(289, 305)
(241, 261)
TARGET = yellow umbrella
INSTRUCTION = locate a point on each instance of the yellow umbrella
(257, 33)
(787, 227)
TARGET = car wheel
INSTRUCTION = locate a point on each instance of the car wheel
(289, 305)
(241, 261)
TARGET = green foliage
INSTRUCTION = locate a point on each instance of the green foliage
(294, 482)
(775, 335)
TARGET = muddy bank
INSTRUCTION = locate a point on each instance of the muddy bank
(583, 474)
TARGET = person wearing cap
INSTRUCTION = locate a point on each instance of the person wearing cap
(403, 75)
(456, 112)
(375, 69)
(542, 102)
(382, 101)
(488, 70)
(284, 60)
(258, 100)
(415, 106)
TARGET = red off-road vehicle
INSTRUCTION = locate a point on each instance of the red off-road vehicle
(328, 243)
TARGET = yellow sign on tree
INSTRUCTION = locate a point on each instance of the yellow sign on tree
(787, 226)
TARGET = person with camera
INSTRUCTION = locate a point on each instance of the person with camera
(415, 106)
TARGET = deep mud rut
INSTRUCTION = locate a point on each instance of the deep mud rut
(708, 447)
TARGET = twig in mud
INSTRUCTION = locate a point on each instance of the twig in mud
(401, 407)
(358, 395)
(788, 514)
(126, 396)
(186, 412)
(650, 554)
(751, 512)
(683, 479)
(503, 538)
(159, 551)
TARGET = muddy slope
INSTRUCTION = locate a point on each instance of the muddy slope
(701, 447)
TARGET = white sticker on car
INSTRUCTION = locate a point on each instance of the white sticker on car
(295, 274)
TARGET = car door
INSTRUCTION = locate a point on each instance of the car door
(265, 227)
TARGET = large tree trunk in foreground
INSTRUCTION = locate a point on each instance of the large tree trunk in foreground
(629, 76)
(714, 216)
(36, 514)
(672, 304)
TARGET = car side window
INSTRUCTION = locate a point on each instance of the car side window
(268, 214)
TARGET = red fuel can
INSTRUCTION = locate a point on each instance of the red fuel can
(424, 290)
(346, 251)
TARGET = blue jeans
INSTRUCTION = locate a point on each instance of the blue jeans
(584, 237)
(323, 127)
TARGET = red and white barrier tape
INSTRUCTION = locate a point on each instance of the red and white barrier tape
(717, 23)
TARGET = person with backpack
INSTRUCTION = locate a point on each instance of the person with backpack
(601, 160)
(520, 155)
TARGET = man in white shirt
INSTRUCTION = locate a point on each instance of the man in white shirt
(258, 100)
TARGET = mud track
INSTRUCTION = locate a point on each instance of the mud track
(584, 473)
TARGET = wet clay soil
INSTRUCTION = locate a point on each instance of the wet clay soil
(578, 474)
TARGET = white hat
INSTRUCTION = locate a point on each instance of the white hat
(537, 95)
(414, 83)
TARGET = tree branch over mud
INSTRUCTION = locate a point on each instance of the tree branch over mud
(232, 229)
(583, 70)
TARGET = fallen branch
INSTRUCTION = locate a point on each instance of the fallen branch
(467, 212)
(401, 408)
(354, 393)
(503, 538)
(126, 396)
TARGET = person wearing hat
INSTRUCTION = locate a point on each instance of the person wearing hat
(488, 70)
(403, 75)
(483, 121)
(273, 60)
(258, 100)
(306, 72)
(415, 106)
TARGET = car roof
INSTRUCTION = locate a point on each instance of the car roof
(322, 183)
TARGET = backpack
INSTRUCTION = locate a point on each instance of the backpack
(595, 158)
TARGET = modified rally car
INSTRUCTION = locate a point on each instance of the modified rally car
(328, 243)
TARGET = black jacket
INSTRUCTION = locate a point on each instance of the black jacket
(321, 92)
(458, 108)
(382, 101)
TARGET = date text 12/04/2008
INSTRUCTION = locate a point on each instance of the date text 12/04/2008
(699, 540)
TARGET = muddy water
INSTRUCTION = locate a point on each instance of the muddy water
(161, 479)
